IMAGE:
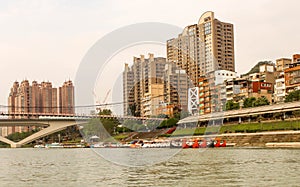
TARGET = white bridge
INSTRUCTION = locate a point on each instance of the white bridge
(53, 123)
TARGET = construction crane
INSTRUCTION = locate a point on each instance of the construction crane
(105, 99)
(99, 108)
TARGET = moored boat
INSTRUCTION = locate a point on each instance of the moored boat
(54, 145)
(39, 146)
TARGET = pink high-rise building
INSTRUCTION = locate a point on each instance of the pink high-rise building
(38, 99)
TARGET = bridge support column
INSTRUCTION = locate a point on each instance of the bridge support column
(240, 120)
(15, 145)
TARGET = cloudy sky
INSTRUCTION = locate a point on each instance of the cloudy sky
(47, 39)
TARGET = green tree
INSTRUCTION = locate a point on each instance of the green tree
(101, 127)
(134, 125)
(161, 116)
(18, 136)
(230, 105)
(293, 96)
(105, 112)
(255, 102)
(181, 115)
(172, 122)
(249, 102)
(261, 101)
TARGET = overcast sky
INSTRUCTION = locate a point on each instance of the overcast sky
(46, 40)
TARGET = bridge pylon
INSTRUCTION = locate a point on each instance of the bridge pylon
(15, 145)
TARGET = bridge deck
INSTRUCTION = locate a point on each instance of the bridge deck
(285, 107)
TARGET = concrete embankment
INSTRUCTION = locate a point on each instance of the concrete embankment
(263, 139)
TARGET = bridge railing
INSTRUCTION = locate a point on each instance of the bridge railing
(38, 115)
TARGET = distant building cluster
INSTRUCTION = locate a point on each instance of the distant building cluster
(272, 81)
(199, 75)
(201, 50)
(38, 98)
(287, 77)
(151, 86)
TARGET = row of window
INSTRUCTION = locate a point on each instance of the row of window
(223, 74)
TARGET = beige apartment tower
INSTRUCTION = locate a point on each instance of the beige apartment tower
(152, 85)
(128, 91)
(143, 85)
(204, 47)
(176, 87)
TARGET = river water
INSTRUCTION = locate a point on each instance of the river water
(212, 167)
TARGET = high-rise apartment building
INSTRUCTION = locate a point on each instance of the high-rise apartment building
(35, 101)
(38, 99)
(143, 85)
(11, 98)
(23, 98)
(152, 85)
(204, 47)
(48, 97)
(128, 91)
(35, 98)
(176, 87)
(66, 98)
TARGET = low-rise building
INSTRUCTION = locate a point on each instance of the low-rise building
(282, 64)
(211, 96)
(292, 77)
(296, 58)
(279, 89)
(266, 73)
(261, 89)
(237, 89)
(204, 96)
(166, 109)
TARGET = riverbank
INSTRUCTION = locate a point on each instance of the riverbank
(288, 139)
(254, 127)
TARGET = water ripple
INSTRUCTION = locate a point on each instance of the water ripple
(213, 167)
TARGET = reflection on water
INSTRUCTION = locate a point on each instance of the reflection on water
(82, 167)
(136, 157)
